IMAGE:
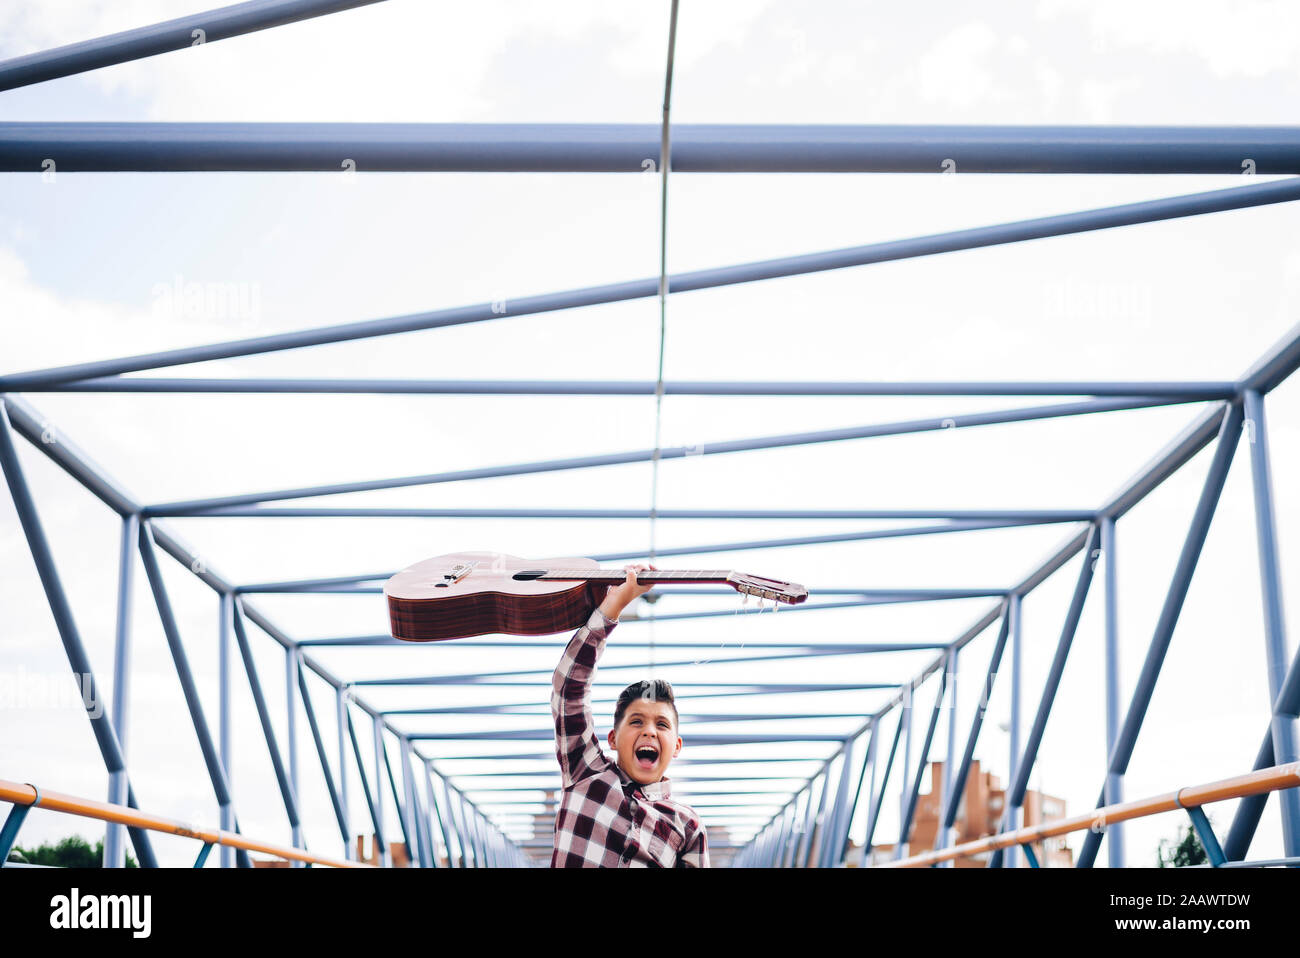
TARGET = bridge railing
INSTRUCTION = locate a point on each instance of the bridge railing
(1189, 798)
(25, 797)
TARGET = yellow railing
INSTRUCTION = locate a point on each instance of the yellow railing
(29, 795)
(1193, 796)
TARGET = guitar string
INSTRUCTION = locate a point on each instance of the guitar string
(665, 161)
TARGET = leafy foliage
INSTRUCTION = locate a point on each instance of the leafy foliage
(71, 852)
(1185, 850)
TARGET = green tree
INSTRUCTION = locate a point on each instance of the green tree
(71, 852)
(1183, 851)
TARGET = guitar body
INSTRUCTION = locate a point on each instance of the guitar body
(427, 604)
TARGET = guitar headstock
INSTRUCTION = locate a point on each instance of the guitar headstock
(790, 593)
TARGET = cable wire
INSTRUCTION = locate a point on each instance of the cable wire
(665, 161)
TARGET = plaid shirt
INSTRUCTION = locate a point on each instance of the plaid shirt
(605, 818)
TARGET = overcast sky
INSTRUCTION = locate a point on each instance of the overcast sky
(89, 263)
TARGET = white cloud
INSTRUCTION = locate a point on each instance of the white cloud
(1251, 38)
(957, 69)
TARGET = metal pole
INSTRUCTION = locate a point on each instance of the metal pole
(439, 817)
(381, 846)
(817, 834)
(800, 810)
(871, 431)
(324, 762)
(1249, 809)
(1164, 631)
(949, 772)
(291, 665)
(1114, 783)
(623, 147)
(958, 781)
(867, 761)
(1150, 211)
(1200, 391)
(1013, 733)
(179, 34)
(1016, 792)
(909, 693)
(225, 613)
(872, 806)
(800, 858)
(833, 848)
(787, 826)
(998, 518)
(341, 714)
(114, 847)
(878, 799)
(415, 811)
(216, 772)
(287, 793)
(470, 817)
(486, 833)
(378, 728)
(403, 810)
(1283, 726)
(909, 808)
(101, 725)
(460, 860)
(468, 851)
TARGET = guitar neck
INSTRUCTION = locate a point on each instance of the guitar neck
(615, 576)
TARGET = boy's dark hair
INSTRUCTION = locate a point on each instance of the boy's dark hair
(656, 690)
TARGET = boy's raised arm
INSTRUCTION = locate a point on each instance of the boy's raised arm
(576, 747)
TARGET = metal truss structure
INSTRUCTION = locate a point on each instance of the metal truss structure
(811, 823)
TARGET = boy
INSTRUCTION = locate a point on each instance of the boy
(618, 814)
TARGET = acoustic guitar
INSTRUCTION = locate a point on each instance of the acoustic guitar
(464, 594)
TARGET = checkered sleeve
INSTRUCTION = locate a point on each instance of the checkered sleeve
(576, 747)
(696, 852)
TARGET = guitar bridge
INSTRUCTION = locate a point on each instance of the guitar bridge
(458, 572)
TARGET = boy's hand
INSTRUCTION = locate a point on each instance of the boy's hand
(620, 596)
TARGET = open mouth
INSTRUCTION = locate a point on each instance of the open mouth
(647, 756)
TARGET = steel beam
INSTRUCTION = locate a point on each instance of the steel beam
(287, 793)
(1015, 794)
(473, 678)
(1187, 391)
(1114, 783)
(624, 148)
(1283, 726)
(909, 807)
(1065, 224)
(879, 798)
(949, 772)
(381, 846)
(216, 771)
(114, 850)
(319, 742)
(1015, 721)
(957, 787)
(196, 29)
(110, 748)
(1164, 630)
(935, 424)
(1025, 516)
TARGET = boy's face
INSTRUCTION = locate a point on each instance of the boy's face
(646, 740)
